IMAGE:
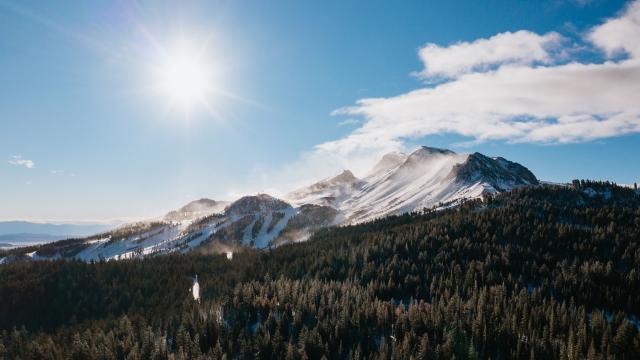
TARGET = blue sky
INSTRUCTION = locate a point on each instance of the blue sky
(84, 136)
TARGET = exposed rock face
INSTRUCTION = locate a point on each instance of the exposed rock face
(256, 203)
(501, 174)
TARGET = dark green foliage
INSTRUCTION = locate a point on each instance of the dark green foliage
(539, 273)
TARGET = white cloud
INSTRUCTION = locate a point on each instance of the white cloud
(498, 89)
(56, 172)
(620, 34)
(19, 161)
(568, 103)
(521, 47)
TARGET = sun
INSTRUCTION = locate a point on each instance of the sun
(185, 77)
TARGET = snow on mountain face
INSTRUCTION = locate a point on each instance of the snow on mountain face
(135, 240)
(196, 209)
(257, 203)
(430, 177)
(329, 192)
(389, 161)
(399, 183)
(308, 219)
(254, 221)
(420, 181)
(193, 226)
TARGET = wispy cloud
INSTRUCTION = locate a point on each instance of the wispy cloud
(18, 160)
(56, 172)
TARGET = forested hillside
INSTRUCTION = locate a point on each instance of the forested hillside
(537, 273)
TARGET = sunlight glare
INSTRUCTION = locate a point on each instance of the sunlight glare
(185, 77)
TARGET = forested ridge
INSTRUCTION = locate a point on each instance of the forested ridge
(541, 272)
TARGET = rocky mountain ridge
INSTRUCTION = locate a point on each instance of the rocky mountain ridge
(399, 183)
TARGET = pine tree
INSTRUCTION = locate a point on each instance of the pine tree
(291, 352)
(591, 353)
(424, 348)
(623, 338)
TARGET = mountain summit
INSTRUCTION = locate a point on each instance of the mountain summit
(328, 192)
(196, 209)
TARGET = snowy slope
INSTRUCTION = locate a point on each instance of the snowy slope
(431, 177)
(137, 244)
(264, 218)
(330, 192)
(250, 221)
(197, 209)
(426, 178)
(420, 180)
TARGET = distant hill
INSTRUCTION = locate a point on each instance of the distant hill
(29, 233)
(27, 239)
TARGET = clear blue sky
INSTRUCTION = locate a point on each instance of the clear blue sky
(75, 98)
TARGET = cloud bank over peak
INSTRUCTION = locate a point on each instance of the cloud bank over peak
(514, 87)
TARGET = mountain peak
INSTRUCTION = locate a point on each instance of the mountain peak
(389, 161)
(346, 176)
(500, 173)
(427, 151)
(330, 192)
(256, 203)
(195, 209)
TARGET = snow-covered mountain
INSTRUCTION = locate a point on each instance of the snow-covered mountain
(426, 178)
(430, 177)
(329, 192)
(196, 209)
(398, 183)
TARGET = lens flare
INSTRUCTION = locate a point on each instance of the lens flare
(185, 77)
